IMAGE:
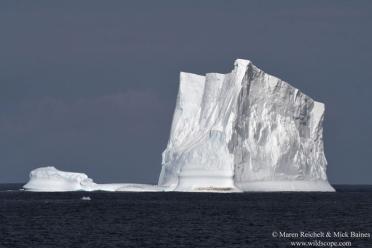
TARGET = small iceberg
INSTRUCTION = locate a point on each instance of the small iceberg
(86, 198)
(50, 179)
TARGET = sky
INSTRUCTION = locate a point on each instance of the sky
(91, 86)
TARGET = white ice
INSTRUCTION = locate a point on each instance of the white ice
(50, 179)
(245, 130)
(241, 131)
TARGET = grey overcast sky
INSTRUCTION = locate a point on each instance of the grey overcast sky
(90, 86)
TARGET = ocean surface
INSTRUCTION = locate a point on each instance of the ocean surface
(171, 219)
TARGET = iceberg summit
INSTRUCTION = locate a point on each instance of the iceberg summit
(241, 131)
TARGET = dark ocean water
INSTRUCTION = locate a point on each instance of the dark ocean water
(173, 219)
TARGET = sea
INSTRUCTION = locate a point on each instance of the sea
(174, 219)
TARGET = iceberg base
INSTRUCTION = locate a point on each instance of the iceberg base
(289, 186)
(201, 180)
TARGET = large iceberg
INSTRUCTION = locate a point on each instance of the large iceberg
(241, 131)
(245, 130)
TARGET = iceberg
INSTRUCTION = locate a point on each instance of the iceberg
(241, 131)
(244, 131)
(50, 179)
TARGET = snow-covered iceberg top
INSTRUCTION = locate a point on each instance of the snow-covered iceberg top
(50, 179)
(244, 130)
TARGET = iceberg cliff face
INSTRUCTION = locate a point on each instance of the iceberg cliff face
(247, 130)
